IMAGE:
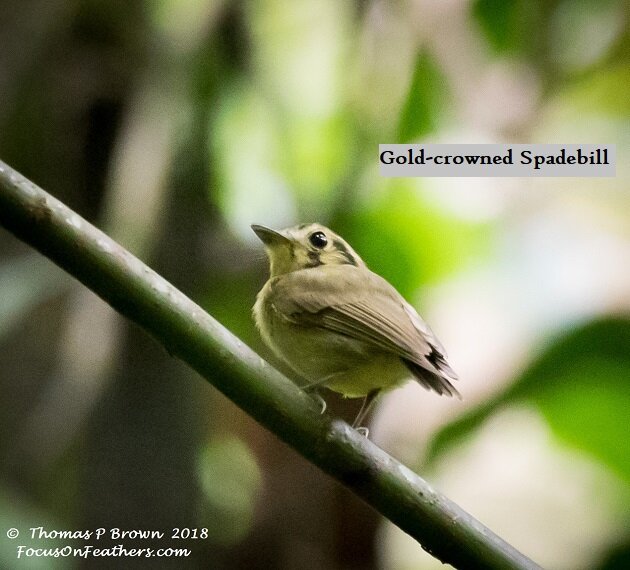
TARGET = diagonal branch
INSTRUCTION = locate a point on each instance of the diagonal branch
(189, 333)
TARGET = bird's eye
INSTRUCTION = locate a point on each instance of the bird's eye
(318, 239)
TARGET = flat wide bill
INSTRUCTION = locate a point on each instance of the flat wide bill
(269, 236)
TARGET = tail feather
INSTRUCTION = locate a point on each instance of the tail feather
(440, 382)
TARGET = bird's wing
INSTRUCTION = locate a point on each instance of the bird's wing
(359, 304)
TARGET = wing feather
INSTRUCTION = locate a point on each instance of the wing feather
(359, 304)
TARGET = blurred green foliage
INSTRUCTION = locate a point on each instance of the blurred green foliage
(411, 241)
(602, 93)
(581, 384)
(426, 102)
(17, 513)
(25, 282)
(230, 481)
(511, 26)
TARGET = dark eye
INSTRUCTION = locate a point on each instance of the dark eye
(318, 239)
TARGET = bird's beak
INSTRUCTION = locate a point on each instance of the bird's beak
(268, 236)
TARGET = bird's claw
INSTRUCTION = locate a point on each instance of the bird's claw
(365, 432)
(321, 402)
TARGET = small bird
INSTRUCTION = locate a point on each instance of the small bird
(339, 325)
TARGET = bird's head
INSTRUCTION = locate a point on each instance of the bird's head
(305, 246)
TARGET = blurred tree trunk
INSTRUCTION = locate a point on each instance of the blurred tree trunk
(63, 90)
(140, 470)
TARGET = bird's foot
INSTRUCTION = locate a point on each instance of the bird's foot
(365, 432)
(322, 403)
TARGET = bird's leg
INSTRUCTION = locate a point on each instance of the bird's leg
(365, 408)
(320, 400)
(311, 388)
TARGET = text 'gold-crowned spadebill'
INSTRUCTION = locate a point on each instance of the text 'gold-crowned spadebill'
(497, 160)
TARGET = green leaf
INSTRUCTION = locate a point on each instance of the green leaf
(510, 26)
(589, 408)
(581, 385)
(425, 103)
(497, 20)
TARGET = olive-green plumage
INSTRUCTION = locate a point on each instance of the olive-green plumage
(338, 324)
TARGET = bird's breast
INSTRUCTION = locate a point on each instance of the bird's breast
(311, 351)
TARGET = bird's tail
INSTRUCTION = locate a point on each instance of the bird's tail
(439, 382)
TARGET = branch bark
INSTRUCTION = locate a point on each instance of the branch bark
(187, 332)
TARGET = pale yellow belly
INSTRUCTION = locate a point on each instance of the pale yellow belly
(315, 354)
(383, 371)
(351, 367)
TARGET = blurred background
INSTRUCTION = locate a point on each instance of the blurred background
(174, 124)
